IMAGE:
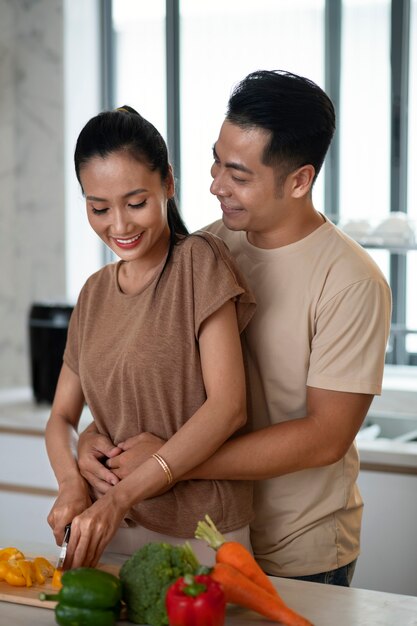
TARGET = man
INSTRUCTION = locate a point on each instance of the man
(315, 348)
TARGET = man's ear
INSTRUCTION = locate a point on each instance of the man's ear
(302, 180)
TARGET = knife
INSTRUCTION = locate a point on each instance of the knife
(63, 551)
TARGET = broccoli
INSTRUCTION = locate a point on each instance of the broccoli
(146, 576)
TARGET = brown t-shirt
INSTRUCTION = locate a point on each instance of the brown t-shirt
(138, 360)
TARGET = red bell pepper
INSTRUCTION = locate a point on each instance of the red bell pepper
(195, 601)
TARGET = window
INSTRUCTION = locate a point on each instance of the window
(411, 316)
(221, 42)
(139, 64)
(218, 43)
(82, 99)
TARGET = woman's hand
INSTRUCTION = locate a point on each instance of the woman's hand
(92, 530)
(73, 498)
(135, 451)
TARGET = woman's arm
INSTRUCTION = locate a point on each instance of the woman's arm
(223, 412)
(61, 444)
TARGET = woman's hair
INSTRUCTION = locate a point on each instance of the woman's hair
(124, 129)
(297, 114)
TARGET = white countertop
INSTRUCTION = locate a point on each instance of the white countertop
(323, 605)
(19, 412)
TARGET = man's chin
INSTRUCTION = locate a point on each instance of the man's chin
(233, 222)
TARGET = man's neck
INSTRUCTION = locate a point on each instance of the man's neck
(289, 231)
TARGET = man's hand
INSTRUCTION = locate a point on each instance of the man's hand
(135, 451)
(93, 450)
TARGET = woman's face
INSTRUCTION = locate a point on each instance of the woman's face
(127, 205)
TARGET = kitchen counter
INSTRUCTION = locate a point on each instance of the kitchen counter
(20, 414)
(323, 605)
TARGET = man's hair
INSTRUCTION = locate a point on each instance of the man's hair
(297, 113)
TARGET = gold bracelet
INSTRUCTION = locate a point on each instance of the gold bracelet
(164, 466)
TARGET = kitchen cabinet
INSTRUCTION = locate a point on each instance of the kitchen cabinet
(388, 560)
(388, 484)
(27, 484)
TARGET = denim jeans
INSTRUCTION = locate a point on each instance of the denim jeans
(341, 576)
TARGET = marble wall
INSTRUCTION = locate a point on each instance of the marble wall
(32, 210)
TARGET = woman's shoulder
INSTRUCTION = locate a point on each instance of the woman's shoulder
(205, 243)
(101, 277)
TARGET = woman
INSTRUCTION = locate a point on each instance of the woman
(153, 346)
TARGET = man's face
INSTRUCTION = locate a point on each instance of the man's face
(247, 190)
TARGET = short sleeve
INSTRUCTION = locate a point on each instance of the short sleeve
(71, 351)
(216, 280)
(349, 343)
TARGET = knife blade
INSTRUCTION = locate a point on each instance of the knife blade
(63, 551)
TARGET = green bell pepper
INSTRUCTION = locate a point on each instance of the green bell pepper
(88, 597)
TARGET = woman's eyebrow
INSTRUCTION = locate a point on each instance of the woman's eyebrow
(126, 195)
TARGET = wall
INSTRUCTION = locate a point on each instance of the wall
(32, 211)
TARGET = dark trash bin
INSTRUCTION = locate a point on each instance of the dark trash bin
(48, 327)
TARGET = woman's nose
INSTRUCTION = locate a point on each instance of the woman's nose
(120, 222)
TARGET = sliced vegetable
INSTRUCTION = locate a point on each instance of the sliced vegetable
(4, 568)
(10, 553)
(42, 569)
(26, 570)
(195, 601)
(56, 578)
(18, 571)
(14, 575)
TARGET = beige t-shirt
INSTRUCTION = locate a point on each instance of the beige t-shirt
(138, 360)
(322, 320)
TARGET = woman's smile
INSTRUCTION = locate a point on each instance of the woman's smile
(128, 244)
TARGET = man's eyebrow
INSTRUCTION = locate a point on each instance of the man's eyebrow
(233, 164)
(126, 195)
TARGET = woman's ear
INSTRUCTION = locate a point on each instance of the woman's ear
(302, 181)
(170, 183)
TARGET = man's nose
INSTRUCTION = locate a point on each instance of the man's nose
(219, 186)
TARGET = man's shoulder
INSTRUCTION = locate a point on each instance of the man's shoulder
(350, 257)
(231, 238)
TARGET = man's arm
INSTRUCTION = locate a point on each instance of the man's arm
(321, 438)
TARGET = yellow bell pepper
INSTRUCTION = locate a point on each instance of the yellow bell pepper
(42, 569)
(21, 572)
(56, 578)
(11, 553)
(26, 569)
(15, 575)
(4, 568)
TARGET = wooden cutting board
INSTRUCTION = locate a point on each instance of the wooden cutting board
(30, 595)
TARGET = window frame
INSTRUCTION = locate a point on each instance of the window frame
(400, 54)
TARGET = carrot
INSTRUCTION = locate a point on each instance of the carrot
(235, 554)
(238, 589)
